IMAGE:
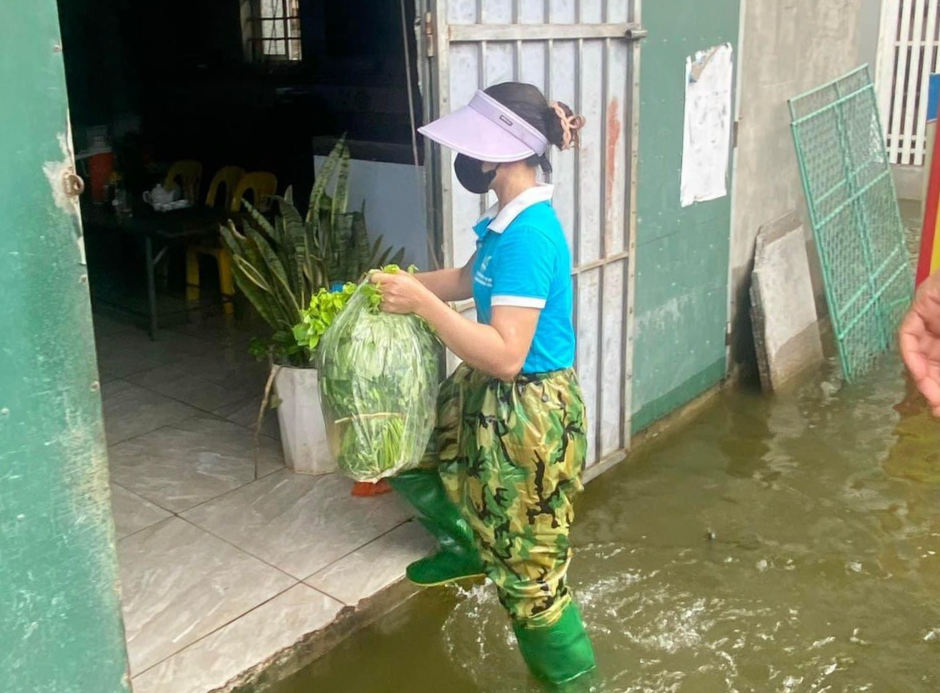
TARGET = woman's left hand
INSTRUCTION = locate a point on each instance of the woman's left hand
(401, 292)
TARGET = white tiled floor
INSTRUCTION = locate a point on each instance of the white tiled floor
(193, 461)
(131, 411)
(375, 566)
(180, 584)
(241, 644)
(133, 513)
(226, 557)
(301, 524)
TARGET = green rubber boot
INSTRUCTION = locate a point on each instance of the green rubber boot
(457, 558)
(558, 653)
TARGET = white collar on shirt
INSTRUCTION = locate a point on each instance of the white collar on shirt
(501, 219)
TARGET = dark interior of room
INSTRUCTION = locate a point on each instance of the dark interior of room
(191, 79)
(183, 70)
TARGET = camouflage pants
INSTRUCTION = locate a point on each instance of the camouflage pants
(511, 457)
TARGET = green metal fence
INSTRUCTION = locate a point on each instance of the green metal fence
(854, 212)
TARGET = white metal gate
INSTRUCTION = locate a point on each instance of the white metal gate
(584, 53)
(909, 50)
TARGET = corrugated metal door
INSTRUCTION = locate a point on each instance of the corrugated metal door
(584, 53)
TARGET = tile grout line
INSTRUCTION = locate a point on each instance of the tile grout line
(200, 412)
(211, 412)
(167, 361)
(295, 580)
(141, 435)
(281, 570)
(243, 550)
(179, 513)
(299, 583)
(173, 424)
(147, 500)
(231, 490)
(216, 630)
(359, 548)
(237, 547)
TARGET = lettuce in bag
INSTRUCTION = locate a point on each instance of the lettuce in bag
(379, 377)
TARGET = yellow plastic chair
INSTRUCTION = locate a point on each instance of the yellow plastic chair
(261, 184)
(230, 177)
(188, 175)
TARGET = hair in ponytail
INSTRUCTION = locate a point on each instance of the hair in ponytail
(556, 121)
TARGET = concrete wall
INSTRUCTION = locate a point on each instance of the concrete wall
(786, 49)
(869, 29)
(394, 205)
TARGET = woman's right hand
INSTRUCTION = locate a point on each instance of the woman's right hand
(401, 292)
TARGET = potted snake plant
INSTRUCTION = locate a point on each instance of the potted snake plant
(285, 268)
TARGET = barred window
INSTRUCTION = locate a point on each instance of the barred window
(273, 31)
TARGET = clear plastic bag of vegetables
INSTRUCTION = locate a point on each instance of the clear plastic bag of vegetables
(379, 376)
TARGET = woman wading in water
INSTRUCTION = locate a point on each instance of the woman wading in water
(497, 485)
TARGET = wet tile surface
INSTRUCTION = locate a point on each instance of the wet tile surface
(180, 583)
(255, 637)
(193, 461)
(133, 513)
(120, 363)
(194, 390)
(214, 534)
(375, 566)
(245, 414)
(131, 411)
(299, 523)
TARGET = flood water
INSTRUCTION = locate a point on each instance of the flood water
(787, 543)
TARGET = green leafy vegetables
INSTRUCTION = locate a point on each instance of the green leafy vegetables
(379, 376)
(316, 318)
(279, 265)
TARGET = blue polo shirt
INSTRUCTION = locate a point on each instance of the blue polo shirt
(523, 261)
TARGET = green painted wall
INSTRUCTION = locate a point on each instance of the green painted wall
(682, 254)
(60, 624)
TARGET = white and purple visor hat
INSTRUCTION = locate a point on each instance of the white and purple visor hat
(488, 131)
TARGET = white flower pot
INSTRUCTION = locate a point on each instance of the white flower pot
(303, 432)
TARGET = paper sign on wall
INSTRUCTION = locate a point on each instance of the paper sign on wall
(706, 140)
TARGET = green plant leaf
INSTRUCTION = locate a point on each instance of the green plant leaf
(252, 273)
(324, 178)
(231, 239)
(292, 248)
(255, 290)
(258, 218)
(293, 222)
(341, 192)
(344, 257)
(279, 281)
(363, 251)
(399, 257)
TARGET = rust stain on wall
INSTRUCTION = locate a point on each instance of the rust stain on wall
(614, 127)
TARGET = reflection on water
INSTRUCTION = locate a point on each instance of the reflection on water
(775, 544)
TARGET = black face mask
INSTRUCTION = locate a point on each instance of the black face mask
(471, 176)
